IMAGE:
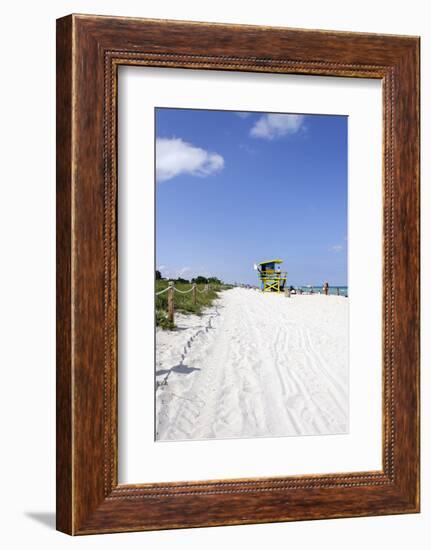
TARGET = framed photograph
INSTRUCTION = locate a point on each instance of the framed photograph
(237, 274)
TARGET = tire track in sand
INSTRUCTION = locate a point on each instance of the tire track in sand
(261, 373)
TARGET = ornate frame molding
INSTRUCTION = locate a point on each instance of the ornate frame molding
(90, 49)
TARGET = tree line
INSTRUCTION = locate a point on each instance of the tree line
(199, 280)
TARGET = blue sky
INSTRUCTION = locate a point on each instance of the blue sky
(233, 189)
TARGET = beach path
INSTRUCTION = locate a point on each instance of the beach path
(254, 365)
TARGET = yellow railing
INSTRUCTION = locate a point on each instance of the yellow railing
(273, 274)
(272, 280)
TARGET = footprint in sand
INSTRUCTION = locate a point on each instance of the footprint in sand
(307, 416)
(295, 402)
(250, 388)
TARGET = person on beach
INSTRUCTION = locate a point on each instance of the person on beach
(326, 288)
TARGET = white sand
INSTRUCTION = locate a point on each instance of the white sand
(254, 365)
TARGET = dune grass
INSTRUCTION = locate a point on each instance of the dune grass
(184, 302)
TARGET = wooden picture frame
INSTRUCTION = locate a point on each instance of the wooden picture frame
(89, 51)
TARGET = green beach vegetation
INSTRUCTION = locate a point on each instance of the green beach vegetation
(207, 290)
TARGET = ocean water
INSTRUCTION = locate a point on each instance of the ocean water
(340, 290)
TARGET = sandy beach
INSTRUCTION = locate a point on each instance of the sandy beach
(254, 365)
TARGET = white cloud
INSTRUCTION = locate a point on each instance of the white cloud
(183, 271)
(175, 156)
(336, 248)
(273, 126)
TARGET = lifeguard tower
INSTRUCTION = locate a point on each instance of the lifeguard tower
(270, 275)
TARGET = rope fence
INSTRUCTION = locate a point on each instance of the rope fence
(183, 291)
(202, 291)
(162, 291)
(171, 289)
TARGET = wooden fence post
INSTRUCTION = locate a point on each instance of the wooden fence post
(194, 293)
(171, 291)
(338, 291)
(287, 292)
